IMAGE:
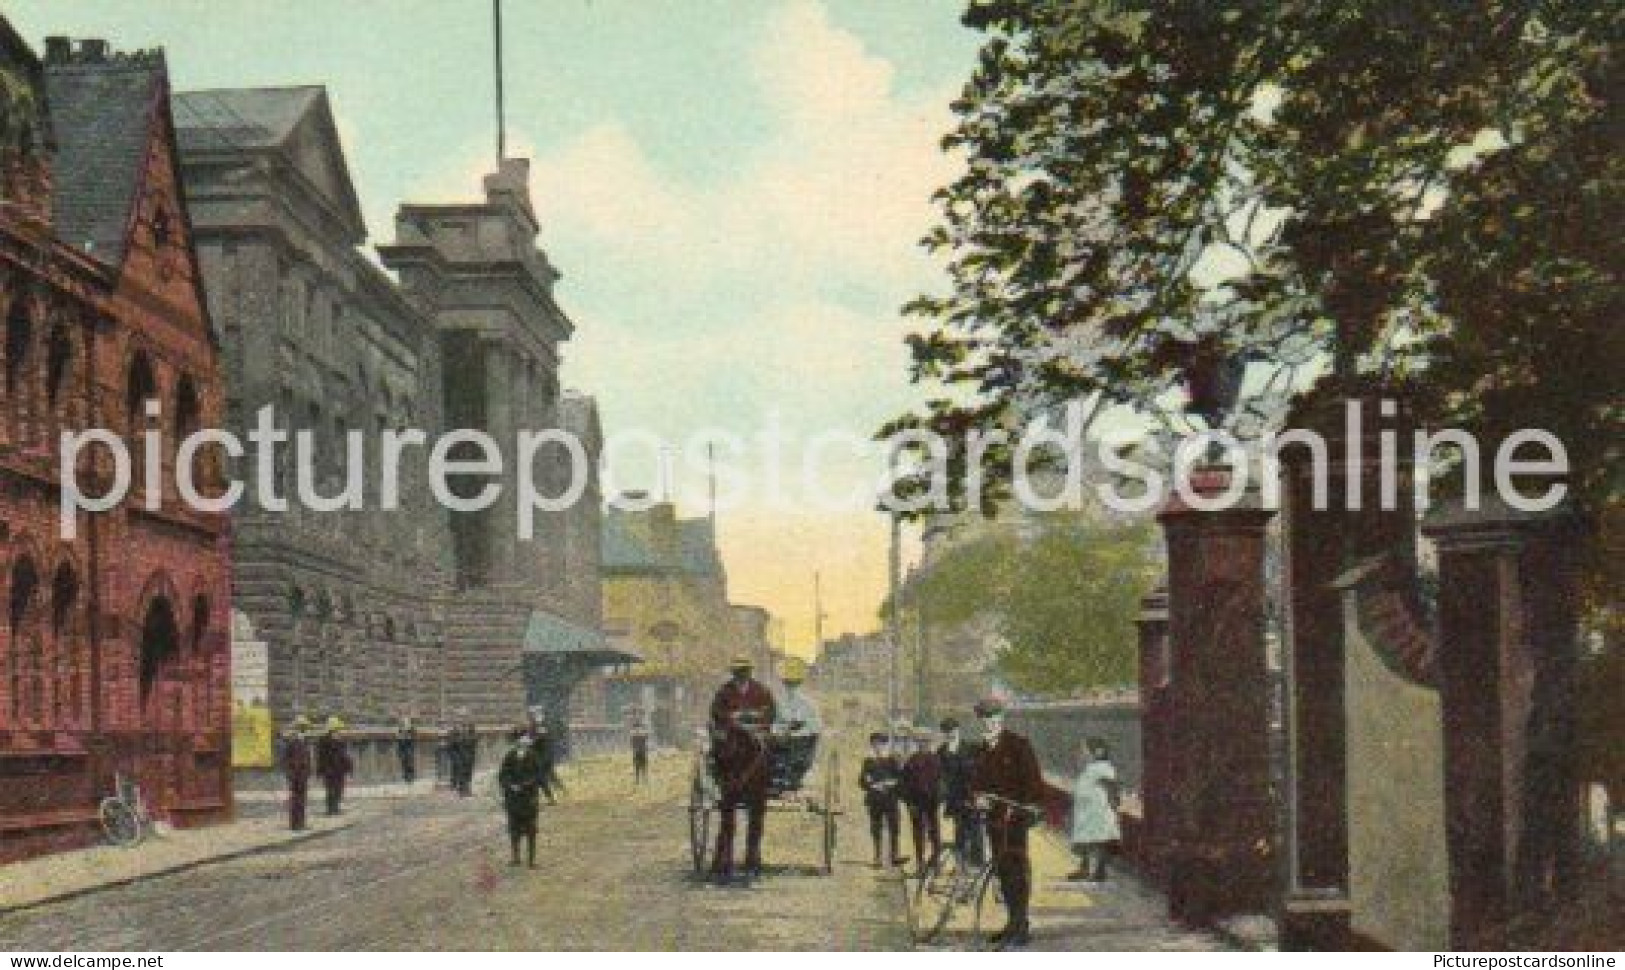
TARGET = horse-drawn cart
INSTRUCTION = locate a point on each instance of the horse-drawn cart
(789, 791)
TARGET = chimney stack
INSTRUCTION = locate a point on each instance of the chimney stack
(93, 50)
(58, 50)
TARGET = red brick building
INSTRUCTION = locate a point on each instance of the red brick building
(113, 645)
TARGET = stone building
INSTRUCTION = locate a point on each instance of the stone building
(666, 595)
(352, 603)
(113, 653)
(417, 610)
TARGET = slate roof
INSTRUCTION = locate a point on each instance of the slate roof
(101, 115)
(698, 545)
(263, 120)
(241, 117)
(554, 636)
(621, 550)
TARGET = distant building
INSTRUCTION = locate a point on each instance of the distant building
(666, 599)
(113, 653)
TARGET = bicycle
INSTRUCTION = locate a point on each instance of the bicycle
(124, 813)
(950, 881)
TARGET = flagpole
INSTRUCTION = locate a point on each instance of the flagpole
(502, 127)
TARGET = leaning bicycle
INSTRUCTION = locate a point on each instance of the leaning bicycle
(124, 816)
(955, 879)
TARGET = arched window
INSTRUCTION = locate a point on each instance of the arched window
(188, 411)
(141, 387)
(160, 643)
(19, 338)
(58, 355)
(69, 674)
(24, 587)
(204, 660)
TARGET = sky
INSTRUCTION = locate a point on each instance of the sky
(732, 189)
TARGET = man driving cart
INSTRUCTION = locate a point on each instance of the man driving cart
(741, 713)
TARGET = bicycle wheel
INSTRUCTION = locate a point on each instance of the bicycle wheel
(936, 894)
(119, 821)
(991, 913)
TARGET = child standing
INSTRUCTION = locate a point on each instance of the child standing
(880, 778)
(1094, 811)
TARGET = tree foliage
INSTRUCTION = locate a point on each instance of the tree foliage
(1413, 196)
(1062, 595)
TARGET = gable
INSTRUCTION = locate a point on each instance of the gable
(316, 153)
(159, 257)
(293, 126)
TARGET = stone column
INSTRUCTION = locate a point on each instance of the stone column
(1507, 649)
(1156, 758)
(1320, 543)
(500, 527)
(1222, 814)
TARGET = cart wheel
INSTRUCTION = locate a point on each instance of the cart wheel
(832, 791)
(699, 819)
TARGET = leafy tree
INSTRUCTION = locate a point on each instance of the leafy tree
(1417, 194)
(1063, 595)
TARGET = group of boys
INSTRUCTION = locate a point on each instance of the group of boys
(995, 783)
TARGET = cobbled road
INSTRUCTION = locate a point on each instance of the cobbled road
(429, 872)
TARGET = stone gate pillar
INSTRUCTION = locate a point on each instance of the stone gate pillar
(1507, 649)
(1221, 806)
(1320, 540)
(1156, 758)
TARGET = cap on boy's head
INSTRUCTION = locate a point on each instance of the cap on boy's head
(877, 737)
(990, 707)
(949, 724)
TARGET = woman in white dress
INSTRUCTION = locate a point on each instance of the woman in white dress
(1094, 811)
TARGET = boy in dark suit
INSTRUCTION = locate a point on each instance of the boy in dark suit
(881, 778)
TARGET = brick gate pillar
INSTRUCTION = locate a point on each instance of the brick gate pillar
(1321, 538)
(1507, 648)
(1221, 806)
(1156, 760)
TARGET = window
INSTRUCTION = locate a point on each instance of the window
(19, 337)
(23, 587)
(160, 642)
(69, 674)
(58, 354)
(141, 388)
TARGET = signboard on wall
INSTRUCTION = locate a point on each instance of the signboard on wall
(252, 733)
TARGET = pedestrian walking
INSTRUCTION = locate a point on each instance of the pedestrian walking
(406, 750)
(1095, 797)
(922, 793)
(547, 757)
(466, 752)
(333, 764)
(520, 777)
(881, 777)
(640, 754)
(957, 760)
(1009, 785)
(295, 757)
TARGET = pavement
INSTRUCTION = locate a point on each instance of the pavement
(1122, 914)
(422, 869)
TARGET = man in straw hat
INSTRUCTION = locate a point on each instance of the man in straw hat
(333, 764)
(295, 752)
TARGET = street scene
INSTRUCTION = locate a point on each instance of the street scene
(811, 475)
